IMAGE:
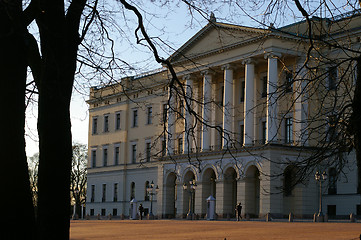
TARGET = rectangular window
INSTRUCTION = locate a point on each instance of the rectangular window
(288, 130)
(135, 118)
(104, 192)
(264, 132)
(332, 78)
(95, 125)
(165, 114)
(115, 212)
(92, 196)
(103, 213)
(241, 133)
(289, 82)
(264, 86)
(116, 155)
(94, 158)
(180, 109)
(115, 192)
(117, 121)
(164, 148)
(149, 115)
(105, 157)
(180, 145)
(92, 212)
(242, 91)
(147, 151)
(106, 123)
(134, 153)
(331, 210)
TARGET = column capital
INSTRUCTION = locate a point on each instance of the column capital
(249, 61)
(227, 67)
(207, 72)
(272, 55)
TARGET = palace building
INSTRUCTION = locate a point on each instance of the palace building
(243, 114)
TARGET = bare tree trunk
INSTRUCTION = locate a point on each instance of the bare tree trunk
(18, 211)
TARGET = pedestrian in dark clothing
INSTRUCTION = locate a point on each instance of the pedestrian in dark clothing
(141, 209)
(239, 211)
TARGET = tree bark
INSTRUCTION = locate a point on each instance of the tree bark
(18, 211)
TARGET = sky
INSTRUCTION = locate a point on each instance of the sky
(174, 25)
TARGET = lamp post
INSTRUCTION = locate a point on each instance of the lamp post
(151, 191)
(191, 189)
(319, 178)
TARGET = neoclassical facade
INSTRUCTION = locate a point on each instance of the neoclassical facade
(231, 129)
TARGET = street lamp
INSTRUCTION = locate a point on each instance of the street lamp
(151, 192)
(319, 178)
(191, 189)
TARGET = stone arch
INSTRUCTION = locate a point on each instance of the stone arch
(187, 177)
(208, 187)
(170, 191)
(252, 193)
(230, 177)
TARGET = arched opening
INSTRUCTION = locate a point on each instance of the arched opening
(208, 188)
(132, 190)
(290, 191)
(230, 191)
(252, 197)
(187, 195)
(170, 196)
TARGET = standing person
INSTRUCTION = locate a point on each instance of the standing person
(141, 209)
(239, 211)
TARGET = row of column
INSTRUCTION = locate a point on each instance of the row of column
(228, 103)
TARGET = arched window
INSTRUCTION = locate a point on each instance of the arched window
(146, 194)
(332, 181)
(132, 190)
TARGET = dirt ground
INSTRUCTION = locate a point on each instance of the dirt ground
(220, 230)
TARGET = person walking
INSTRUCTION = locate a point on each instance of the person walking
(141, 209)
(239, 211)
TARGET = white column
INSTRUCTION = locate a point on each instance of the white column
(188, 123)
(272, 79)
(248, 121)
(171, 122)
(301, 105)
(227, 105)
(207, 106)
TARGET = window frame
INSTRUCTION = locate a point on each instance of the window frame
(135, 118)
(94, 125)
(117, 121)
(106, 123)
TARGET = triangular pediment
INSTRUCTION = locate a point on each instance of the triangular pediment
(215, 38)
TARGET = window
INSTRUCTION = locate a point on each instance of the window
(289, 180)
(92, 197)
(332, 123)
(95, 125)
(92, 212)
(147, 151)
(242, 91)
(164, 147)
(332, 78)
(288, 82)
(180, 109)
(134, 153)
(331, 210)
(104, 192)
(115, 198)
(105, 157)
(332, 181)
(146, 193)
(264, 86)
(94, 158)
(164, 115)
(106, 123)
(241, 133)
(115, 212)
(132, 191)
(288, 130)
(116, 155)
(135, 118)
(180, 145)
(149, 115)
(103, 213)
(117, 121)
(264, 132)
